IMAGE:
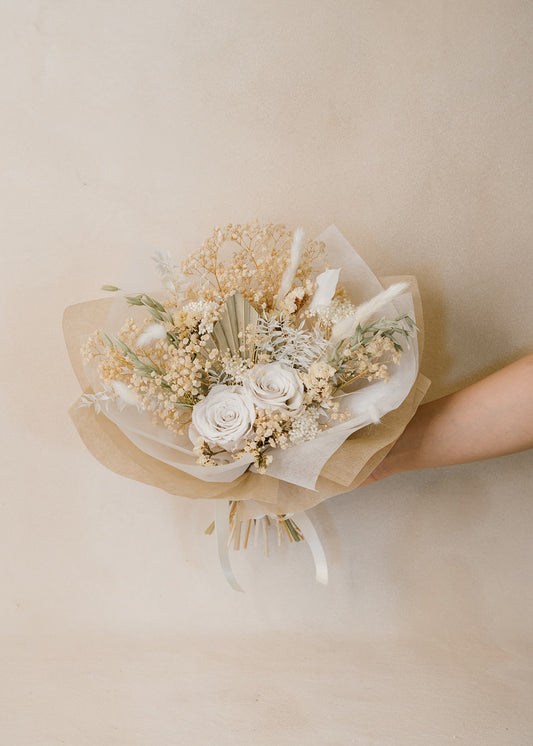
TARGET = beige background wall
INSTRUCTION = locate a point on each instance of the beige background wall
(132, 125)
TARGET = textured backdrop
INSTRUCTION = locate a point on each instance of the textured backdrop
(130, 126)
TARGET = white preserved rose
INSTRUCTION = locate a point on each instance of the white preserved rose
(224, 419)
(275, 386)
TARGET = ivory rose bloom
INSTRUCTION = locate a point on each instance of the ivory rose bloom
(275, 386)
(224, 419)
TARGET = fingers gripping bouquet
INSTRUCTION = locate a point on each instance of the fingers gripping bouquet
(262, 356)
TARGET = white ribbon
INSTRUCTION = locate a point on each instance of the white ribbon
(315, 545)
(222, 509)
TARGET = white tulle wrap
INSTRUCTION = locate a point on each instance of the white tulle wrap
(301, 464)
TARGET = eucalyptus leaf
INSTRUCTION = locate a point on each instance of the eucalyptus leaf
(108, 341)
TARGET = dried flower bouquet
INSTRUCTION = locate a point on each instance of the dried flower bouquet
(256, 357)
(256, 354)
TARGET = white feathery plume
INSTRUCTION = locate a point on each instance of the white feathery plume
(346, 327)
(152, 332)
(124, 393)
(289, 274)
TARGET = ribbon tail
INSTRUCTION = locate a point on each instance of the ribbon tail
(222, 509)
(315, 545)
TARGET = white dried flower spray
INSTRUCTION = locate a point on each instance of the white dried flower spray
(305, 426)
(98, 401)
(166, 268)
(279, 340)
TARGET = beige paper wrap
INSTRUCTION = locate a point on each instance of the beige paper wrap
(344, 471)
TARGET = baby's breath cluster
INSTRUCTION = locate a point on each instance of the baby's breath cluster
(199, 314)
(165, 376)
(271, 429)
(318, 381)
(306, 426)
(259, 256)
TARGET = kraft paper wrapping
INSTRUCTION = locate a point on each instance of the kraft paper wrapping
(344, 471)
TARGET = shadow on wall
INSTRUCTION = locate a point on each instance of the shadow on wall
(442, 352)
(416, 543)
(434, 556)
(437, 358)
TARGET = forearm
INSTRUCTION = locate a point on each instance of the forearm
(493, 417)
